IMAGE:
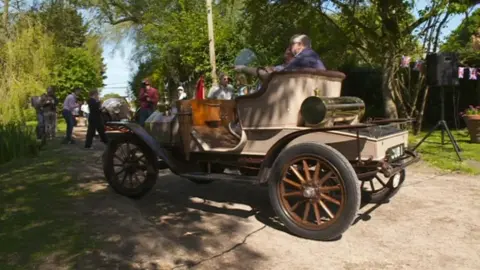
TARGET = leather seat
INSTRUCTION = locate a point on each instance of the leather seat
(276, 104)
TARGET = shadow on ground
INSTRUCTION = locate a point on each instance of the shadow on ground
(178, 224)
(59, 213)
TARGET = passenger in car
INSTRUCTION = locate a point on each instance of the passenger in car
(223, 91)
(241, 85)
(304, 56)
(288, 57)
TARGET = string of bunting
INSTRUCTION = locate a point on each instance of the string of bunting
(463, 72)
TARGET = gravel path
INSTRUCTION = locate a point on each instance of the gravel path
(432, 223)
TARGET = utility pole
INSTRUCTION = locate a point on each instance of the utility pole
(211, 42)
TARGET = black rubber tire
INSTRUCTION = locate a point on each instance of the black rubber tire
(350, 182)
(152, 171)
(385, 194)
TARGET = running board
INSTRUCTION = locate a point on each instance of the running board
(222, 177)
(162, 165)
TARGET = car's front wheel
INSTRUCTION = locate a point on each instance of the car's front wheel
(129, 166)
(314, 191)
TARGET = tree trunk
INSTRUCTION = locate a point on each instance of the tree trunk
(5, 15)
(418, 125)
(390, 109)
(439, 29)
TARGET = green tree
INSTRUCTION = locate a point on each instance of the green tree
(26, 60)
(172, 37)
(64, 22)
(465, 40)
(78, 69)
(110, 95)
(46, 46)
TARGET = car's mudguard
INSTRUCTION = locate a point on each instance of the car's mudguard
(121, 128)
(275, 150)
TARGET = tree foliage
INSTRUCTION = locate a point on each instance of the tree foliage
(64, 23)
(48, 45)
(80, 68)
(111, 95)
(173, 43)
(26, 62)
(465, 40)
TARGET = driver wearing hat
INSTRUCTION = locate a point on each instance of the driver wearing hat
(148, 101)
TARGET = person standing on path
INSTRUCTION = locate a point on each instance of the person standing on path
(95, 121)
(69, 105)
(85, 112)
(50, 113)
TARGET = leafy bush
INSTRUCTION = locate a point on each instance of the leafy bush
(17, 140)
(30, 114)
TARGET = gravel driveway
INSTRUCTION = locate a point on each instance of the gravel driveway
(432, 223)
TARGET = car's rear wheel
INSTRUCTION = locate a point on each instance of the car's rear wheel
(129, 166)
(379, 189)
(314, 191)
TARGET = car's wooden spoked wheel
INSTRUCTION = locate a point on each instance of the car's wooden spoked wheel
(312, 192)
(129, 165)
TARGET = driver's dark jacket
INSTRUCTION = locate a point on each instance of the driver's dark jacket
(306, 59)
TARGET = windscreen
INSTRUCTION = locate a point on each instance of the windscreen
(245, 57)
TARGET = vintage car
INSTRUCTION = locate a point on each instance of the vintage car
(116, 109)
(296, 134)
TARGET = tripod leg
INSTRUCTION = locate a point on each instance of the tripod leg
(443, 136)
(428, 135)
(449, 133)
(452, 139)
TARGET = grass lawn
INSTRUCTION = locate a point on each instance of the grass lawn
(38, 224)
(444, 157)
(61, 125)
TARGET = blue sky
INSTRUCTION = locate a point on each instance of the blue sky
(120, 68)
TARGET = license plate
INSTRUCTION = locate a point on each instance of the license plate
(395, 152)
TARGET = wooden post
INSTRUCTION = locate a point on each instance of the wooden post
(211, 42)
(6, 4)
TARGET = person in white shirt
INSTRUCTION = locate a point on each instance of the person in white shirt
(224, 90)
(181, 96)
(181, 93)
(69, 105)
(85, 112)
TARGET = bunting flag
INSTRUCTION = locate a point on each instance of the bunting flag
(418, 65)
(200, 93)
(405, 61)
(473, 73)
(460, 72)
